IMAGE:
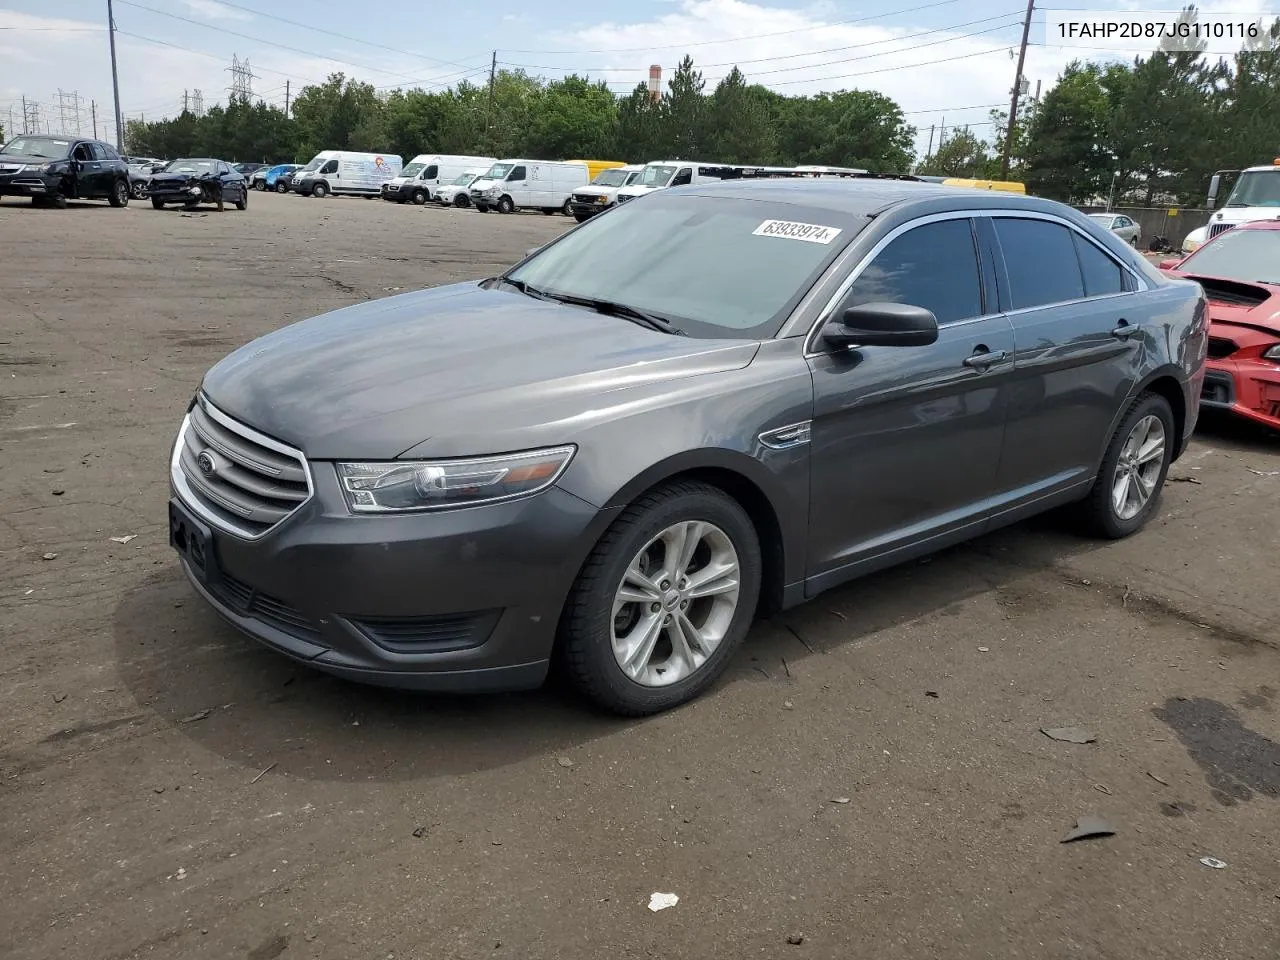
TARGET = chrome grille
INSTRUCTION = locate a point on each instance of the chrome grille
(1217, 228)
(236, 478)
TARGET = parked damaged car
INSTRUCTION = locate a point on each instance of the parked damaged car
(193, 181)
(54, 170)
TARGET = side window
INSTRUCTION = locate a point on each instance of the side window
(330, 167)
(933, 266)
(518, 173)
(1102, 275)
(1041, 261)
(97, 152)
(110, 151)
(223, 169)
(431, 172)
(82, 153)
(684, 176)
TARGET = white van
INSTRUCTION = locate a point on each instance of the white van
(426, 173)
(540, 184)
(602, 192)
(661, 174)
(342, 171)
(456, 193)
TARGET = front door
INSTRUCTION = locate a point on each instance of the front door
(906, 441)
(1078, 350)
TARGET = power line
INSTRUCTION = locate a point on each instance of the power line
(867, 73)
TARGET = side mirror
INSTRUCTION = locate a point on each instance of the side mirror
(1214, 182)
(882, 325)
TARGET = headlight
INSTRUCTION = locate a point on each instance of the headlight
(603, 199)
(38, 168)
(396, 486)
(1273, 353)
(195, 191)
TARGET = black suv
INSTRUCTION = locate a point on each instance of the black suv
(57, 169)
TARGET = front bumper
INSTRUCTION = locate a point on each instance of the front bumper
(398, 192)
(29, 185)
(453, 601)
(587, 208)
(1247, 388)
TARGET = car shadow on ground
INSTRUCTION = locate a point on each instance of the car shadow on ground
(179, 660)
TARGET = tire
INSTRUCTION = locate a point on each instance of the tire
(139, 190)
(119, 194)
(157, 203)
(462, 201)
(281, 188)
(567, 209)
(589, 624)
(505, 205)
(482, 208)
(59, 202)
(582, 217)
(1099, 510)
(320, 191)
(419, 197)
(243, 202)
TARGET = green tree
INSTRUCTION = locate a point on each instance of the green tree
(640, 137)
(852, 128)
(339, 114)
(962, 155)
(739, 122)
(684, 113)
(1067, 157)
(576, 119)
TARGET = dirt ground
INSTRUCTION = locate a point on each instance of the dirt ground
(870, 780)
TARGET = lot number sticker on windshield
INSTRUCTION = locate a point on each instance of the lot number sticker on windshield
(808, 232)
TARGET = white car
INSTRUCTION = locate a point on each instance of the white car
(454, 193)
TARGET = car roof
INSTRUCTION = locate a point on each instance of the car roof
(869, 196)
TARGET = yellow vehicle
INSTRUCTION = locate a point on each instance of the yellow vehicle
(595, 166)
(1005, 186)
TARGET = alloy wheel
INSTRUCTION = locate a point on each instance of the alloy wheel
(1138, 468)
(675, 604)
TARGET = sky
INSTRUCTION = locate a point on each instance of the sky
(946, 62)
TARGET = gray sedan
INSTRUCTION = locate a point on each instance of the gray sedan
(710, 403)
(1123, 227)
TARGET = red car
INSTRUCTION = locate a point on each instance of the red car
(1240, 273)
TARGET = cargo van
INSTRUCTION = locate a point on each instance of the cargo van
(675, 173)
(423, 176)
(602, 192)
(594, 167)
(538, 184)
(345, 172)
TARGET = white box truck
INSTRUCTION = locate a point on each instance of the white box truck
(424, 175)
(346, 172)
(537, 184)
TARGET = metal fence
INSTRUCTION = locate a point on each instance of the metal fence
(1172, 223)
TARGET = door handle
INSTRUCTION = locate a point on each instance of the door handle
(982, 359)
(1124, 331)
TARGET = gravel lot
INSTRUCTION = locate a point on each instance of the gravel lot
(168, 789)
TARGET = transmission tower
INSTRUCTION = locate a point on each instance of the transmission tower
(197, 103)
(69, 112)
(30, 116)
(241, 79)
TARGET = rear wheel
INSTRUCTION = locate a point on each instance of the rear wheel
(119, 194)
(243, 202)
(505, 205)
(281, 188)
(139, 190)
(663, 601)
(1127, 490)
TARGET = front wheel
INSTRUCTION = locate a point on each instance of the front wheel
(567, 209)
(462, 200)
(119, 194)
(1127, 489)
(139, 190)
(664, 599)
(482, 208)
(157, 203)
(582, 217)
(419, 197)
(319, 191)
(505, 205)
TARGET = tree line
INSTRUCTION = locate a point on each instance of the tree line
(1148, 132)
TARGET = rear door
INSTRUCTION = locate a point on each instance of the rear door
(906, 441)
(1078, 347)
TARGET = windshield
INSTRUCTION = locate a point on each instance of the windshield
(1261, 188)
(313, 165)
(1252, 256)
(610, 178)
(498, 171)
(50, 147)
(716, 267)
(412, 170)
(462, 179)
(654, 176)
(1104, 217)
(191, 166)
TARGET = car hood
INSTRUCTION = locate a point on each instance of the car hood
(176, 177)
(454, 371)
(1237, 302)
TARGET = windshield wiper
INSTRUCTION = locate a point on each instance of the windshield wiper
(614, 309)
(527, 290)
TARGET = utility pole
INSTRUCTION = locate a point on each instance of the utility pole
(286, 99)
(115, 76)
(186, 104)
(1017, 90)
(493, 72)
(93, 109)
(929, 153)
